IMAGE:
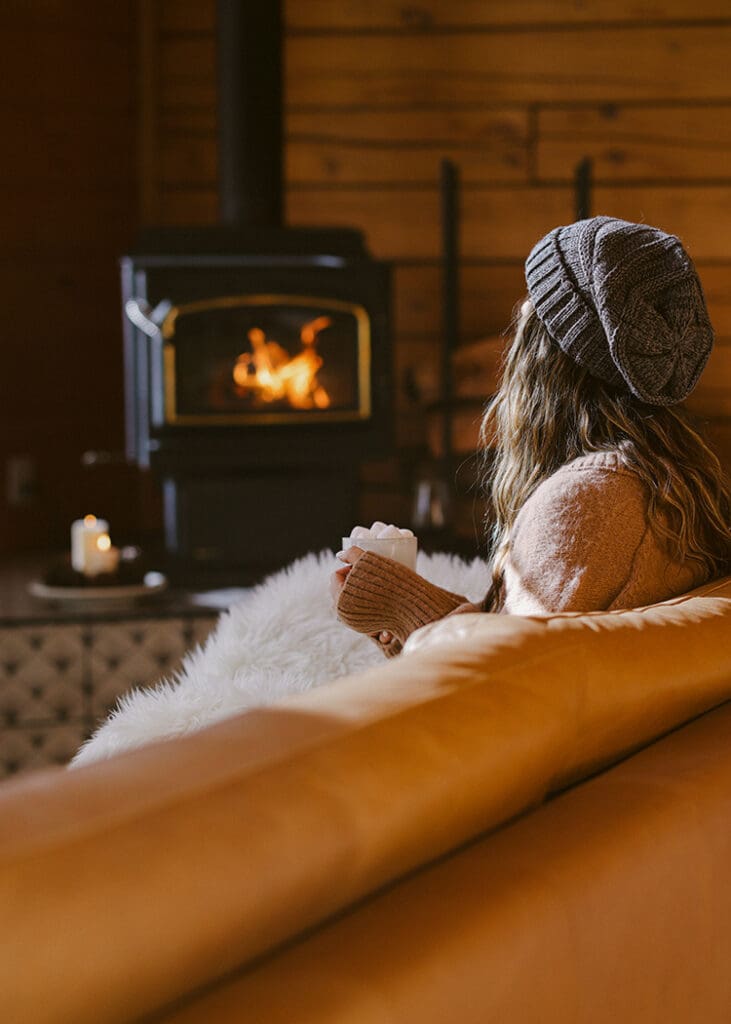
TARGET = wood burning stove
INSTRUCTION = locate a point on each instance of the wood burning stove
(258, 378)
(257, 358)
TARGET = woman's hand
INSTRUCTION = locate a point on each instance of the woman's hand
(337, 581)
(350, 557)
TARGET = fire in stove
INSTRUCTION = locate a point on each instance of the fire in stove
(302, 358)
(267, 373)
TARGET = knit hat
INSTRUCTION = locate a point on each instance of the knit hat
(623, 300)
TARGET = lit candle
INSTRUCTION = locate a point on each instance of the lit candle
(84, 535)
(104, 557)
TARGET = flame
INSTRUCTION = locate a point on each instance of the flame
(268, 374)
(89, 520)
(103, 542)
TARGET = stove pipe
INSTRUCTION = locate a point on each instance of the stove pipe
(250, 123)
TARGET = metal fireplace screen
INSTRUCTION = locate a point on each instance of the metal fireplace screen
(266, 359)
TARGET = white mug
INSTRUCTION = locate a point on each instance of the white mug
(400, 549)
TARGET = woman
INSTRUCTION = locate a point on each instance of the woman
(601, 493)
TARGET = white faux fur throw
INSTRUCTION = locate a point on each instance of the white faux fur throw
(283, 638)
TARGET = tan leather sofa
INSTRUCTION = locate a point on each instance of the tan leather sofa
(517, 820)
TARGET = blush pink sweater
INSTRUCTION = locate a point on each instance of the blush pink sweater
(582, 542)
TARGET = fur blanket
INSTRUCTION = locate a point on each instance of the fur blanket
(283, 638)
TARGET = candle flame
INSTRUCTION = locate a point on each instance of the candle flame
(89, 520)
(103, 542)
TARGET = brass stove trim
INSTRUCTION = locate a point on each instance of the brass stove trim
(362, 319)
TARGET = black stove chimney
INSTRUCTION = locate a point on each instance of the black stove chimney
(250, 123)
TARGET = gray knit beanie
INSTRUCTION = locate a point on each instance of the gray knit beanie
(623, 300)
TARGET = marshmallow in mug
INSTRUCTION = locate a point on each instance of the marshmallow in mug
(387, 540)
(379, 531)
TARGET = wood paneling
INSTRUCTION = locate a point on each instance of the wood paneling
(403, 223)
(187, 16)
(189, 122)
(188, 158)
(424, 69)
(654, 143)
(403, 146)
(179, 203)
(488, 293)
(436, 15)
(188, 71)
(471, 129)
(354, 164)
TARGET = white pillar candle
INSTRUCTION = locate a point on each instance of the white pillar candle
(84, 535)
(103, 559)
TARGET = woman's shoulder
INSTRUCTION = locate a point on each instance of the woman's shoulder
(594, 502)
(576, 539)
(601, 479)
(584, 541)
(601, 466)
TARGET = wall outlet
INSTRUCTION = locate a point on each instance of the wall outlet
(21, 480)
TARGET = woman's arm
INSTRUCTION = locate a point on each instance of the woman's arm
(387, 601)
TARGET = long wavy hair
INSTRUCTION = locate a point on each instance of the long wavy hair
(548, 411)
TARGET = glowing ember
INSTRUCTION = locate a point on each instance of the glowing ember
(268, 374)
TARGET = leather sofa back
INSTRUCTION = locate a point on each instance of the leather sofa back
(610, 903)
(174, 864)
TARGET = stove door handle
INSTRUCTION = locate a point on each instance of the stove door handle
(147, 319)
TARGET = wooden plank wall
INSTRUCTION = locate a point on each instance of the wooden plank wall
(515, 92)
(68, 209)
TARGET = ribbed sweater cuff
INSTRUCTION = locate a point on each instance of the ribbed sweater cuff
(380, 594)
